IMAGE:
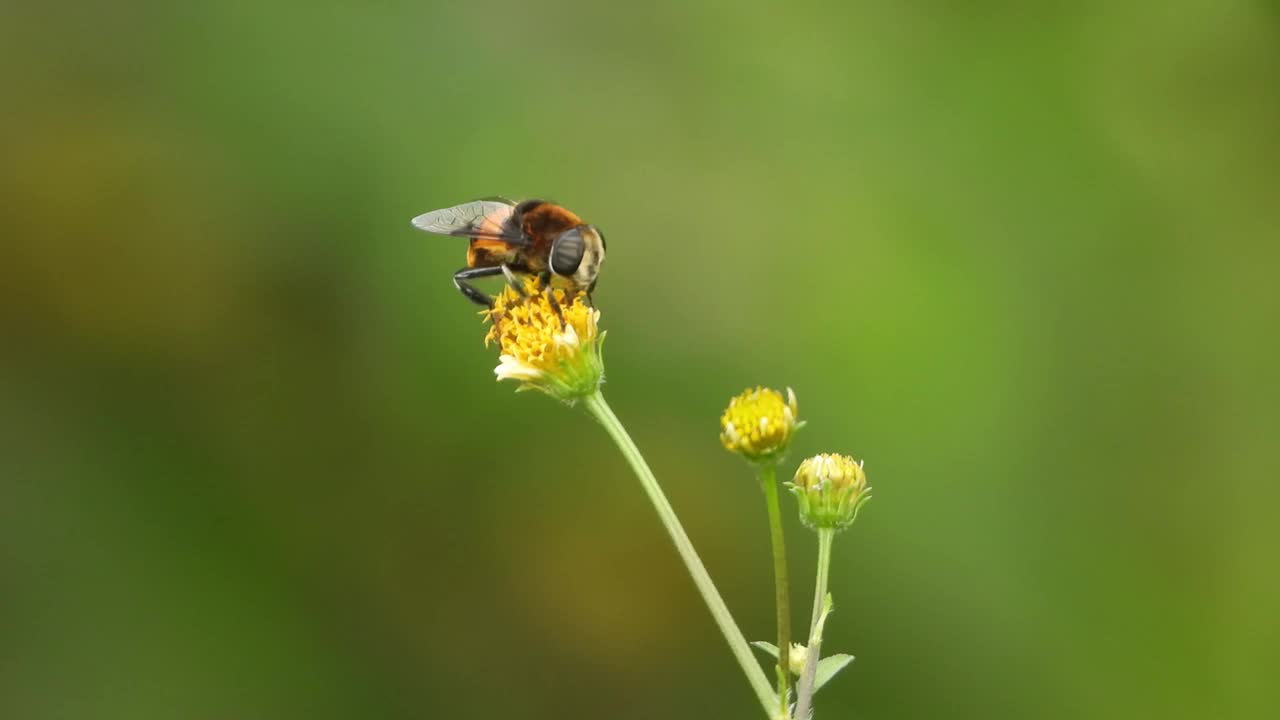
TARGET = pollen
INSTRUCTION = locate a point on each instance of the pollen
(759, 423)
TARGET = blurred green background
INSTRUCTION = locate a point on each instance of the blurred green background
(253, 462)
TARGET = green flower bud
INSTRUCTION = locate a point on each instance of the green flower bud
(830, 489)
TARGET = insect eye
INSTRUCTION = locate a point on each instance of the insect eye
(566, 252)
(604, 244)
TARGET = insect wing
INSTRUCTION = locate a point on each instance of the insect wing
(483, 219)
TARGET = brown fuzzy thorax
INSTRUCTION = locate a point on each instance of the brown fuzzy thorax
(542, 223)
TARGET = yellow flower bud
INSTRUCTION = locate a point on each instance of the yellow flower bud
(759, 423)
(830, 489)
(797, 656)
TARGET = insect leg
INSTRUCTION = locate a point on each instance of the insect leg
(473, 293)
(545, 279)
(514, 280)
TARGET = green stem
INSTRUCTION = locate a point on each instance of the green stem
(805, 689)
(599, 409)
(825, 538)
(782, 591)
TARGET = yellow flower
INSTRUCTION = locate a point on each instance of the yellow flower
(759, 424)
(558, 354)
(831, 489)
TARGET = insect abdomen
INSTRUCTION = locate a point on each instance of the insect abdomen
(489, 253)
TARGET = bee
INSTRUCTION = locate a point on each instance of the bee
(530, 238)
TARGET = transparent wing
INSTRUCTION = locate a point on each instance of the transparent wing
(485, 219)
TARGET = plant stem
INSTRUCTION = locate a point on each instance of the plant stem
(825, 538)
(805, 689)
(782, 591)
(599, 409)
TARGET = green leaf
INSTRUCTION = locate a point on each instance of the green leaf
(828, 667)
(769, 649)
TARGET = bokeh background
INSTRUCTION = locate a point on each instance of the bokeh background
(253, 462)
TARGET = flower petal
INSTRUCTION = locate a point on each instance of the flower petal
(510, 368)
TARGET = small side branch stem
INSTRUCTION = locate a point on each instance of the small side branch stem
(806, 689)
(782, 590)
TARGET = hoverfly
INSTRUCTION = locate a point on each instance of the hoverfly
(533, 237)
